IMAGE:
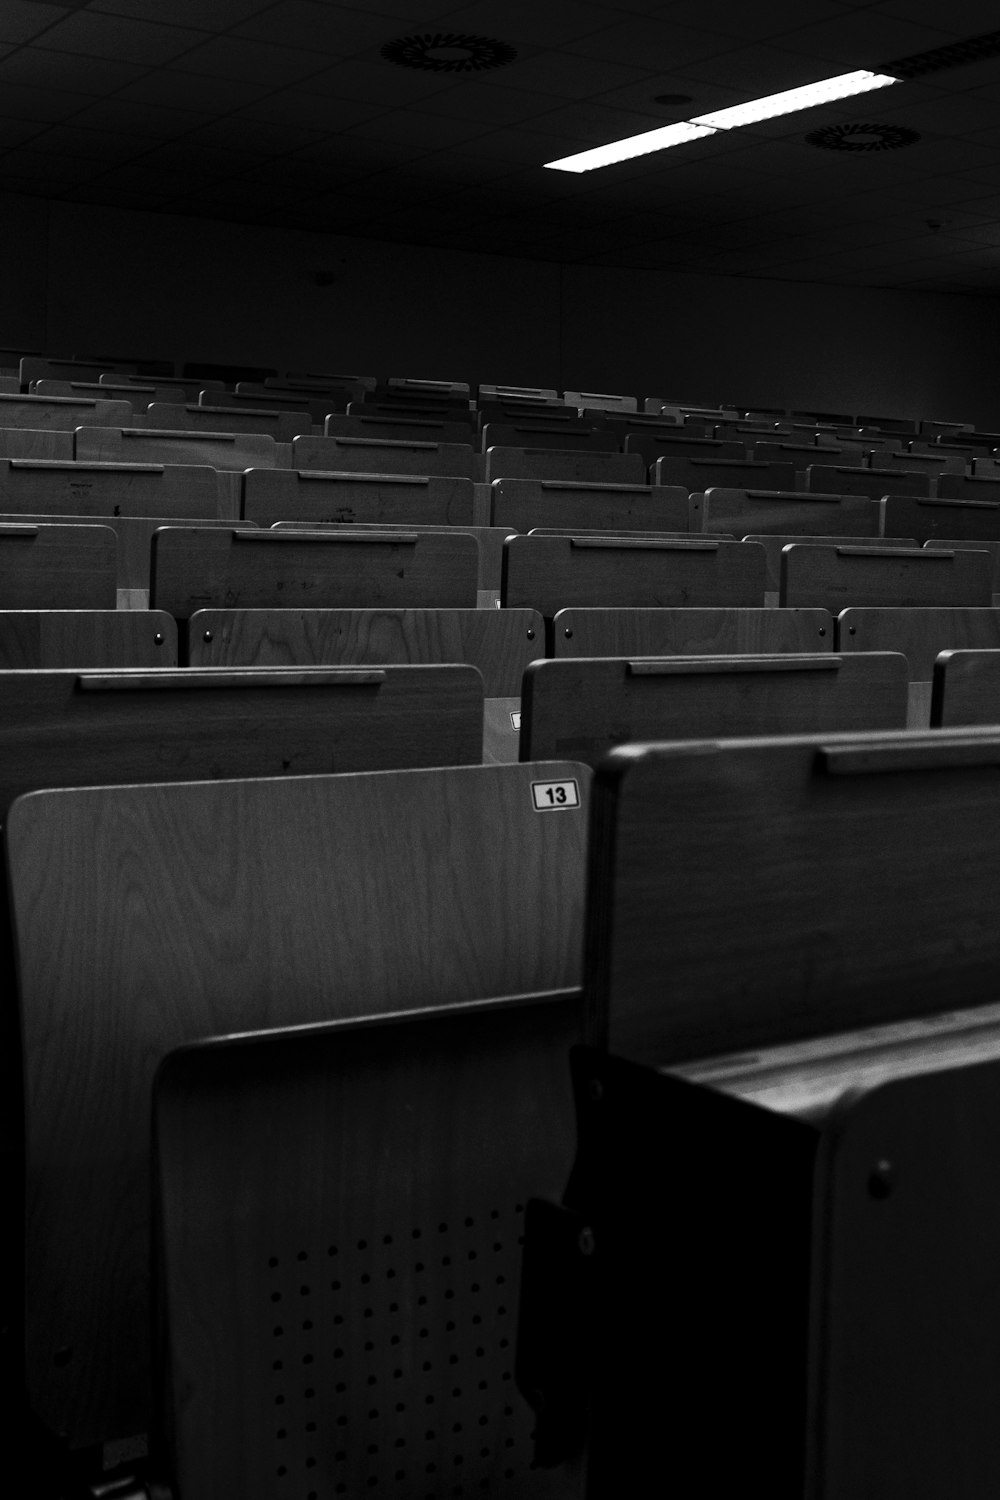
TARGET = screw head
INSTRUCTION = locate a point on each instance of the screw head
(157, 639)
(881, 1180)
(207, 637)
(852, 630)
(822, 630)
(568, 633)
(531, 635)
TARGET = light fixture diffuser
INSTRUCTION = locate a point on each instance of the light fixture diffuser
(772, 105)
(633, 145)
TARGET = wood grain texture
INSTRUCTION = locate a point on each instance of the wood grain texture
(65, 728)
(843, 577)
(832, 479)
(742, 895)
(966, 688)
(271, 495)
(572, 464)
(50, 638)
(135, 537)
(61, 413)
(137, 394)
(774, 545)
(525, 504)
(498, 643)
(921, 634)
(217, 568)
(582, 708)
(686, 632)
(227, 451)
(371, 455)
(283, 426)
(931, 519)
(57, 567)
(966, 487)
(469, 1114)
(527, 434)
(699, 474)
(150, 916)
(680, 442)
(801, 454)
(977, 545)
(923, 463)
(489, 539)
(414, 426)
(550, 573)
(81, 489)
(759, 512)
(22, 442)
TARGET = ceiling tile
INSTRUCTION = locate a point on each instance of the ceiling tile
(376, 81)
(23, 103)
(564, 75)
(38, 68)
(21, 21)
(141, 117)
(309, 111)
(524, 23)
(862, 40)
(252, 62)
(121, 38)
(651, 44)
(757, 70)
(176, 90)
(330, 29)
(202, 15)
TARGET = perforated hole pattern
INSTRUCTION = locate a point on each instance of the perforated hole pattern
(392, 1363)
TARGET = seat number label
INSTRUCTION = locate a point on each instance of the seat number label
(548, 795)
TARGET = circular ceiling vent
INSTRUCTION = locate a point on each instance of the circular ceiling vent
(862, 137)
(448, 52)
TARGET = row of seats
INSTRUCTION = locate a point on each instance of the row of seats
(349, 1001)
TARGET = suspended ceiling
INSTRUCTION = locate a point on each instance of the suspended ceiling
(288, 114)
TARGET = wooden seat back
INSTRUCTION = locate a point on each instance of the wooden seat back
(311, 495)
(783, 512)
(147, 916)
(57, 566)
(745, 893)
(390, 1296)
(690, 631)
(966, 688)
(281, 425)
(571, 464)
(582, 707)
(700, 474)
(577, 436)
(921, 635)
(834, 479)
(842, 577)
(775, 544)
(525, 504)
(409, 426)
(220, 568)
(549, 573)
(62, 413)
(39, 486)
(498, 643)
(380, 455)
(49, 638)
(931, 520)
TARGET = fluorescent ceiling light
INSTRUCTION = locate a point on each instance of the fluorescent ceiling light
(768, 108)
